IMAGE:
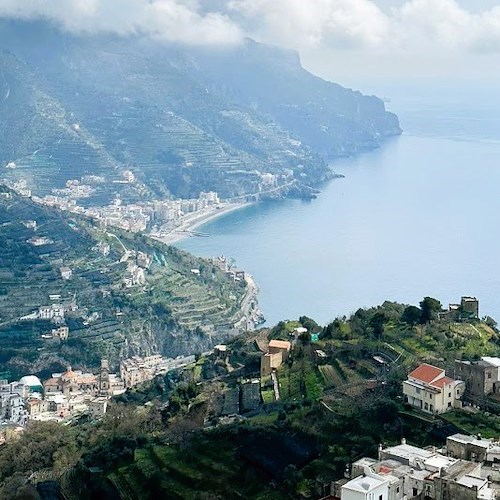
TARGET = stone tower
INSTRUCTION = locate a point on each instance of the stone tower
(104, 385)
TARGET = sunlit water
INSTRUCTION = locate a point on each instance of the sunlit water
(419, 216)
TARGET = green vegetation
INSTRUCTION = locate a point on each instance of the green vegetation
(173, 437)
(174, 309)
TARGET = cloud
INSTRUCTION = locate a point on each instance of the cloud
(445, 24)
(412, 26)
(302, 23)
(171, 20)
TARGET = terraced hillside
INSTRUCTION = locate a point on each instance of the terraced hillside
(164, 307)
(183, 120)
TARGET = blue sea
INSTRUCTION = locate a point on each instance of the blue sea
(419, 216)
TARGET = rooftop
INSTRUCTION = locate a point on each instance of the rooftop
(409, 452)
(491, 361)
(365, 484)
(280, 344)
(464, 439)
(426, 373)
(442, 382)
(472, 482)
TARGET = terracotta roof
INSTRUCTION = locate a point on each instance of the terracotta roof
(385, 470)
(280, 344)
(51, 381)
(426, 373)
(442, 382)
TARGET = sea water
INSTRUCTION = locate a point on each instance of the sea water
(418, 216)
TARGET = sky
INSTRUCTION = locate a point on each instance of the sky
(346, 40)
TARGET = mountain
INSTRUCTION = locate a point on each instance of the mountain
(126, 294)
(184, 120)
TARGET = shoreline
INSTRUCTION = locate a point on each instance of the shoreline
(197, 220)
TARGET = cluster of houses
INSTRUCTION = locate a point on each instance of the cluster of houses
(137, 370)
(463, 470)
(74, 392)
(63, 395)
(137, 217)
(225, 266)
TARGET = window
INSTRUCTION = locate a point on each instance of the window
(381, 497)
(426, 406)
(430, 396)
(458, 392)
(415, 492)
(417, 390)
(489, 375)
(431, 408)
(449, 394)
(449, 405)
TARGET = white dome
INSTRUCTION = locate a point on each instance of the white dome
(31, 381)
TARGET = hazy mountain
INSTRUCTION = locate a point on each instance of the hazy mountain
(183, 119)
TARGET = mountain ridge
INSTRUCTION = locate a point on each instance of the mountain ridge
(183, 119)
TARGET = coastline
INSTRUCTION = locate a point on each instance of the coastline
(199, 219)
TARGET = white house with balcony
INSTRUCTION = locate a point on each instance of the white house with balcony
(430, 390)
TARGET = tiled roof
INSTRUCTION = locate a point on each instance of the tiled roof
(426, 373)
(51, 381)
(442, 382)
(280, 344)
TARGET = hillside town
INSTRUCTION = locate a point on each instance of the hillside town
(68, 395)
(157, 217)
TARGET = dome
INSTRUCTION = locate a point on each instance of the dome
(31, 381)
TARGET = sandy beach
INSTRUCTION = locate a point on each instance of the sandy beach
(192, 221)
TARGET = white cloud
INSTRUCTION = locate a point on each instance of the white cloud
(409, 26)
(309, 23)
(424, 24)
(171, 20)
(413, 25)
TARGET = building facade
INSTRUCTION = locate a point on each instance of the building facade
(430, 390)
(481, 377)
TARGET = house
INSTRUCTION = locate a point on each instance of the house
(134, 371)
(470, 307)
(98, 407)
(103, 248)
(269, 362)
(366, 487)
(62, 333)
(66, 273)
(282, 346)
(38, 241)
(430, 390)
(481, 377)
(473, 448)
(53, 312)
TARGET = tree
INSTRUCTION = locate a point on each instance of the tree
(377, 322)
(411, 315)
(332, 330)
(430, 307)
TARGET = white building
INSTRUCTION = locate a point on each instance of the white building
(430, 390)
(66, 273)
(406, 472)
(55, 311)
(369, 486)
